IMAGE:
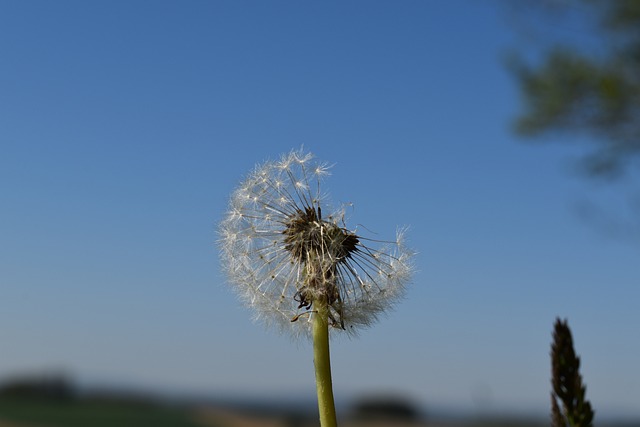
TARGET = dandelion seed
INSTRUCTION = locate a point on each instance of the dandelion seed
(284, 251)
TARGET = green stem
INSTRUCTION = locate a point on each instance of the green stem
(321, 360)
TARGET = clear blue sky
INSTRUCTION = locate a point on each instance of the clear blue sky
(125, 125)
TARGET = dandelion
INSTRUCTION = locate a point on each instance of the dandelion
(298, 265)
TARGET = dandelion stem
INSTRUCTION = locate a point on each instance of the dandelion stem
(321, 360)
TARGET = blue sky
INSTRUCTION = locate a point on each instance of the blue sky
(124, 126)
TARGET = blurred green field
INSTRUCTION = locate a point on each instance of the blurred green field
(92, 414)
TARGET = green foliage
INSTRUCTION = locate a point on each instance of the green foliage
(574, 90)
(45, 412)
(567, 382)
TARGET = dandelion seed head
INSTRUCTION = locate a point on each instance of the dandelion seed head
(282, 249)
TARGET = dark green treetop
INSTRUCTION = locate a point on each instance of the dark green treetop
(589, 89)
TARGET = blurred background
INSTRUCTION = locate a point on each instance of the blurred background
(502, 133)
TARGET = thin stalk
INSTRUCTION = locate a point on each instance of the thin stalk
(321, 361)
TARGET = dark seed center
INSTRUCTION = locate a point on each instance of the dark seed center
(308, 237)
(312, 242)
